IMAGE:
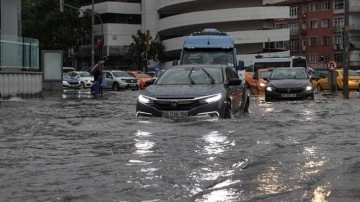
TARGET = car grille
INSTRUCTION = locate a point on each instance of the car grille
(131, 80)
(289, 90)
(176, 104)
(73, 82)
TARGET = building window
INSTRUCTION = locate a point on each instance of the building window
(280, 26)
(339, 5)
(338, 24)
(294, 11)
(294, 29)
(313, 58)
(338, 40)
(325, 41)
(314, 7)
(313, 24)
(338, 58)
(294, 45)
(325, 23)
(280, 45)
(313, 41)
(325, 5)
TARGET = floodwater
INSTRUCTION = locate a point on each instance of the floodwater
(82, 149)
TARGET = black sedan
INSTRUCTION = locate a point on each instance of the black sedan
(289, 83)
(194, 90)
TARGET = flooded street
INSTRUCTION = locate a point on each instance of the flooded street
(56, 149)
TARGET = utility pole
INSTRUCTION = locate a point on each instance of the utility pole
(92, 34)
(346, 52)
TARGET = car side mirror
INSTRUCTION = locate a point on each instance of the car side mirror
(234, 82)
(150, 82)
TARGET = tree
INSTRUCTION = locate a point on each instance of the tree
(136, 52)
(42, 19)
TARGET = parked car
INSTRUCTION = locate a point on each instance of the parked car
(117, 80)
(259, 81)
(85, 77)
(142, 78)
(353, 82)
(70, 82)
(194, 90)
(289, 83)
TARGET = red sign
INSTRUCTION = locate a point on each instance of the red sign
(331, 65)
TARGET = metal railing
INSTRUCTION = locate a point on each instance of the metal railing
(19, 52)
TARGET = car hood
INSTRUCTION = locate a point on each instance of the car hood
(289, 83)
(182, 91)
(87, 78)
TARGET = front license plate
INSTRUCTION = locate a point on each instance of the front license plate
(288, 95)
(133, 85)
(174, 113)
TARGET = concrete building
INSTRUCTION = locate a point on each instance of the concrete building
(250, 23)
(316, 30)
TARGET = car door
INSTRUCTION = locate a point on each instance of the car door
(235, 92)
(109, 79)
(254, 82)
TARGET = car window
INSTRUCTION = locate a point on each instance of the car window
(180, 76)
(289, 73)
(84, 74)
(122, 74)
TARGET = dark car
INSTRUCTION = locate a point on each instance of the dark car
(194, 90)
(289, 83)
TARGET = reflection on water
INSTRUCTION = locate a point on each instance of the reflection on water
(59, 149)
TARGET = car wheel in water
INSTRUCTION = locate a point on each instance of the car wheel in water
(267, 98)
(247, 105)
(227, 112)
(116, 87)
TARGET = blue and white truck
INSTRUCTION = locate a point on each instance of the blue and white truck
(211, 46)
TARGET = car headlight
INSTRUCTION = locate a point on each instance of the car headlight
(308, 88)
(262, 84)
(269, 88)
(145, 99)
(212, 98)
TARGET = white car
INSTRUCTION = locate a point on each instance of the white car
(85, 77)
(117, 80)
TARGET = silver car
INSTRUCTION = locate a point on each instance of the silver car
(117, 80)
(85, 77)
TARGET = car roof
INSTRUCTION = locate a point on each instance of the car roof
(200, 66)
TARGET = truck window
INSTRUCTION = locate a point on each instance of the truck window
(207, 56)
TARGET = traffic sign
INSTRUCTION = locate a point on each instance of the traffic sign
(331, 65)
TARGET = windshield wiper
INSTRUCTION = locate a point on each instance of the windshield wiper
(212, 80)
(189, 76)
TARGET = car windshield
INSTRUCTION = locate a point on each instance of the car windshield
(84, 74)
(265, 74)
(122, 74)
(191, 75)
(289, 73)
(353, 73)
(143, 75)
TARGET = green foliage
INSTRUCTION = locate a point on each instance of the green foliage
(136, 51)
(42, 19)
